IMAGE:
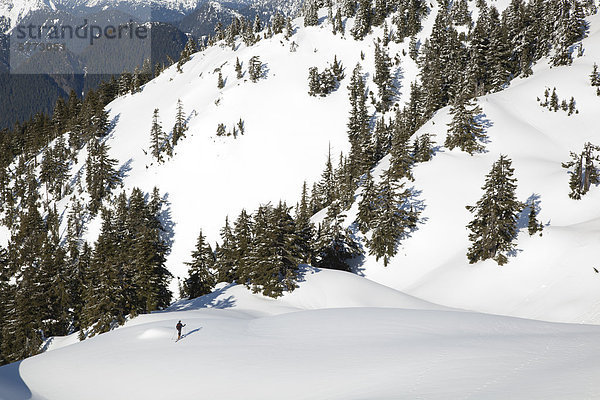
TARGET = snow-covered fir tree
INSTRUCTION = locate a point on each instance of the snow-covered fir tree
(201, 279)
(494, 226)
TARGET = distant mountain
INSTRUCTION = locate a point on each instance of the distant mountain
(195, 17)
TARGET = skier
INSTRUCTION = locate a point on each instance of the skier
(179, 326)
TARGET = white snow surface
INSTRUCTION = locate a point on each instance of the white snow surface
(338, 336)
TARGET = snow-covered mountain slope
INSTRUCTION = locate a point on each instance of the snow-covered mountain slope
(16, 10)
(158, 10)
(551, 277)
(338, 336)
(286, 141)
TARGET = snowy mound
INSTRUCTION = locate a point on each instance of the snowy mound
(317, 289)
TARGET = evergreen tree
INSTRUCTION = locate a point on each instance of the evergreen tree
(254, 68)
(402, 160)
(327, 192)
(157, 138)
(465, 132)
(359, 133)
(238, 68)
(595, 76)
(221, 130)
(423, 148)
(348, 8)
(383, 78)
(304, 227)
(367, 207)
(257, 26)
(362, 23)
(584, 170)
(310, 13)
(334, 244)
(533, 226)
(186, 53)
(101, 176)
(150, 250)
(313, 81)
(392, 220)
(242, 241)
(180, 126)
(225, 256)
(220, 83)
(494, 226)
(201, 279)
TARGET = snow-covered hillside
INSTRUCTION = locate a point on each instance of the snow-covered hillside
(338, 336)
(287, 137)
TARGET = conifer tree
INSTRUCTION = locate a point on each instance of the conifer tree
(359, 133)
(225, 256)
(180, 126)
(465, 132)
(348, 8)
(362, 23)
(242, 241)
(304, 227)
(238, 68)
(186, 53)
(383, 78)
(584, 170)
(494, 226)
(313, 81)
(150, 251)
(402, 160)
(101, 176)
(257, 25)
(392, 219)
(254, 68)
(157, 138)
(221, 130)
(367, 207)
(554, 101)
(334, 244)
(327, 192)
(220, 83)
(338, 25)
(533, 226)
(201, 279)
(310, 13)
(595, 76)
(423, 148)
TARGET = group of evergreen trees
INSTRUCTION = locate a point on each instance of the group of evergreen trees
(238, 129)
(61, 285)
(553, 103)
(127, 264)
(323, 83)
(160, 142)
(261, 251)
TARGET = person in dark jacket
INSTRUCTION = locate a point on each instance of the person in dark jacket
(179, 326)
